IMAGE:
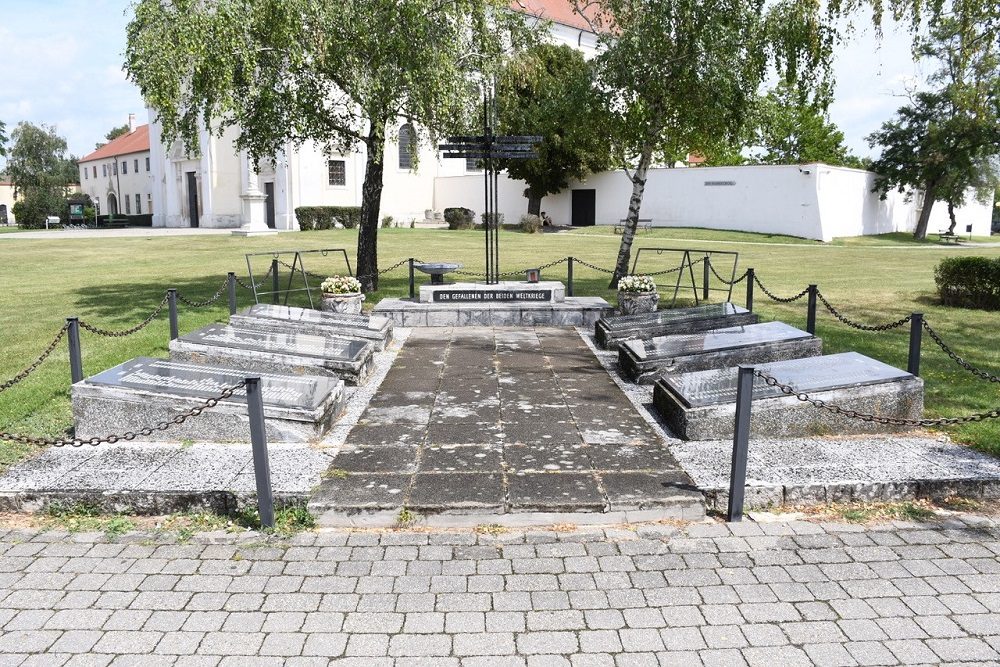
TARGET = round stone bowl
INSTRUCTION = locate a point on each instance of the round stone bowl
(437, 270)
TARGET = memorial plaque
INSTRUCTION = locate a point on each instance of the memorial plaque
(199, 381)
(480, 296)
(673, 315)
(834, 371)
(267, 317)
(306, 345)
(312, 316)
(666, 347)
(611, 332)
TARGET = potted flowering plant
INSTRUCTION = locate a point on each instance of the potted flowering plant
(342, 294)
(637, 294)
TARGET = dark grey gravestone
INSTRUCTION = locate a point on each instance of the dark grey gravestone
(269, 317)
(611, 331)
(643, 360)
(264, 351)
(702, 405)
(145, 391)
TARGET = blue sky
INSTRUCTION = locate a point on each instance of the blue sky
(62, 66)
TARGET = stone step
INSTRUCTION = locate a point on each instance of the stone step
(612, 330)
(145, 391)
(643, 361)
(572, 312)
(255, 351)
(376, 330)
(702, 405)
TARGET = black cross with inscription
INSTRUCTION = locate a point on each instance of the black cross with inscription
(491, 148)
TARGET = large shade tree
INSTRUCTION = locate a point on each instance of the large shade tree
(41, 172)
(3, 139)
(548, 91)
(335, 73)
(946, 142)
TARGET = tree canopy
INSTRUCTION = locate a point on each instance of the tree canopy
(113, 134)
(548, 91)
(3, 139)
(946, 141)
(283, 72)
(38, 167)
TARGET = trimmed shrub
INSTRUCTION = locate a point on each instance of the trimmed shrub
(459, 218)
(969, 282)
(530, 224)
(497, 220)
(388, 222)
(326, 217)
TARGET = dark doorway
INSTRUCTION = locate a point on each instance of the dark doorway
(584, 208)
(269, 204)
(192, 186)
(3, 214)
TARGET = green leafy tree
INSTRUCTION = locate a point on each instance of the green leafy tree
(793, 129)
(946, 142)
(336, 73)
(680, 75)
(40, 171)
(3, 139)
(113, 134)
(548, 91)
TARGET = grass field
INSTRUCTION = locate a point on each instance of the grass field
(115, 283)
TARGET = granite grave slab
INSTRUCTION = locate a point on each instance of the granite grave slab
(702, 405)
(612, 330)
(145, 391)
(270, 317)
(642, 360)
(274, 352)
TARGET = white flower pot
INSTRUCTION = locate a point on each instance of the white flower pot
(349, 304)
(634, 303)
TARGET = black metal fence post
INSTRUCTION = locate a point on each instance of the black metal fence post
(258, 441)
(916, 338)
(231, 285)
(413, 286)
(750, 282)
(569, 276)
(172, 309)
(75, 358)
(811, 315)
(275, 285)
(704, 278)
(741, 443)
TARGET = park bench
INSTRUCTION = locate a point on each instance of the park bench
(644, 224)
(947, 237)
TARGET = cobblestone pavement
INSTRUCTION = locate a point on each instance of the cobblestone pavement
(769, 593)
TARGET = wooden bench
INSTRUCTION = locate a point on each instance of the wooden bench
(947, 237)
(644, 224)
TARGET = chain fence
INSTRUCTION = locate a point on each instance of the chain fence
(127, 435)
(864, 416)
(777, 298)
(111, 333)
(981, 374)
(857, 325)
(38, 362)
(207, 302)
(726, 281)
(254, 286)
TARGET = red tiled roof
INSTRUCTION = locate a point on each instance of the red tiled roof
(557, 11)
(133, 142)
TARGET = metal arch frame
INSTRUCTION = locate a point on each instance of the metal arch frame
(688, 263)
(298, 265)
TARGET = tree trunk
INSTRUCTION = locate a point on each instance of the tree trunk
(632, 219)
(925, 212)
(534, 204)
(951, 216)
(371, 201)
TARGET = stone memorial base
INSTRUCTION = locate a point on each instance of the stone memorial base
(288, 319)
(611, 331)
(144, 391)
(271, 352)
(702, 405)
(643, 361)
(570, 312)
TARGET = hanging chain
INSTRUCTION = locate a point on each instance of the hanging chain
(126, 332)
(775, 296)
(864, 416)
(207, 302)
(857, 325)
(38, 362)
(397, 265)
(724, 280)
(128, 435)
(957, 359)
(577, 260)
(254, 285)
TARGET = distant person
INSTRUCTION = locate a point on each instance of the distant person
(546, 219)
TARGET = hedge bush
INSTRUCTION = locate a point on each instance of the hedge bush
(459, 218)
(530, 224)
(497, 220)
(326, 217)
(969, 282)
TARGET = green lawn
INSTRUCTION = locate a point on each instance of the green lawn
(116, 282)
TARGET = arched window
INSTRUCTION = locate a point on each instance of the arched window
(407, 144)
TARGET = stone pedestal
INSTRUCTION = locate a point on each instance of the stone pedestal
(255, 215)
(289, 319)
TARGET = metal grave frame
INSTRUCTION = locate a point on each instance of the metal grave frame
(688, 263)
(297, 266)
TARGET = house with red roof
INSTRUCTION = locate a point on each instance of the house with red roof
(118, 176)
